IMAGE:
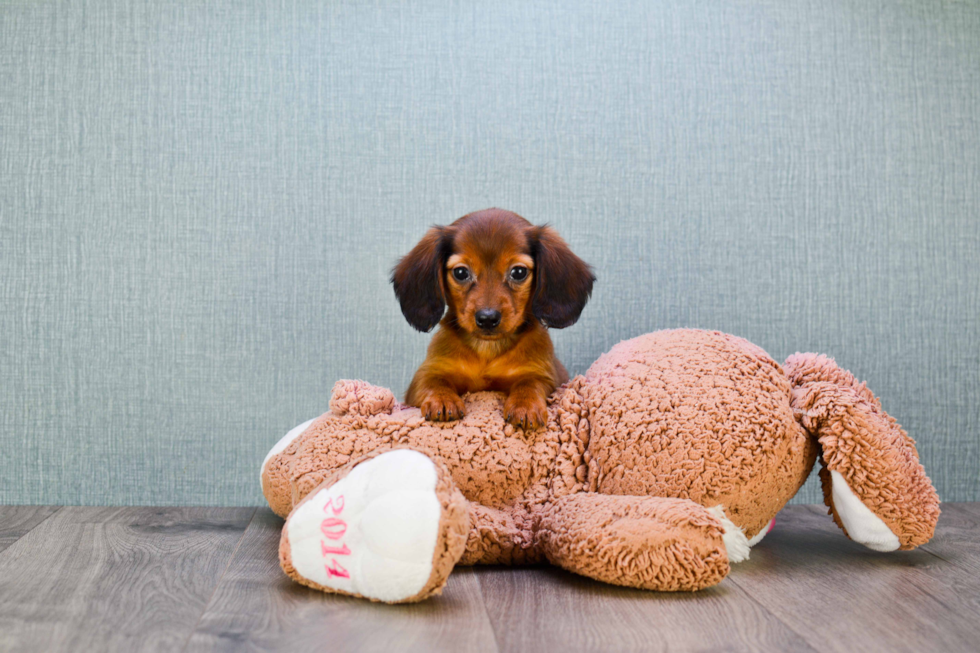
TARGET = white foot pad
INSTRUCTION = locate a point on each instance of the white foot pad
(734, 538)
(862, 525)
(373, 532)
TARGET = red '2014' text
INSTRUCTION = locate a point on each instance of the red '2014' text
(333, 529)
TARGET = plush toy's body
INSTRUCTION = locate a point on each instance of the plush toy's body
(661, 465)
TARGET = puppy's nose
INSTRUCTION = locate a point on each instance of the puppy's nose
(487, 318)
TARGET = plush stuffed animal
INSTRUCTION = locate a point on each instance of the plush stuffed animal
(658, 468)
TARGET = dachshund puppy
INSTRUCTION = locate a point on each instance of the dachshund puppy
(504, 281)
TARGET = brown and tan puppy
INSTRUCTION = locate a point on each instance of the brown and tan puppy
(501, 283)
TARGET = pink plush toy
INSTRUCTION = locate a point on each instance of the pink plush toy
(658, 468)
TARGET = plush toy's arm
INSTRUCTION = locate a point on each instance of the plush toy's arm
(873, 483)
(645, 542)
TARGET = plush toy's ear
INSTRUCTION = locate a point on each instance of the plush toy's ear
(563, 281)
(360, 398)
(418, 279)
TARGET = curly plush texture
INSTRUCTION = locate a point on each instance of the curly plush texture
(643, 461)
(699, 416)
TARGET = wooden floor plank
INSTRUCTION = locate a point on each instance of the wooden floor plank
(256, 607)
(17, 521)
(114, 579)
(957, 542)
(972, 509)
(842, 596)
(549, 609)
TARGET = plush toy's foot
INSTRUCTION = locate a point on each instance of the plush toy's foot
(873, 483)
(645, 542)
(859, 522)
(390, 529)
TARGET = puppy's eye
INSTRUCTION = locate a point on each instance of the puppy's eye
(518, 273)
(461, 274)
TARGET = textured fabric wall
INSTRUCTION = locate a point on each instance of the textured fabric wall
(200, 204)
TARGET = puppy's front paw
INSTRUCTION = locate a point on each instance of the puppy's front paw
(442, 406)
(526, 411)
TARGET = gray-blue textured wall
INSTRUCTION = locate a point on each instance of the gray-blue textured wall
(200, 203)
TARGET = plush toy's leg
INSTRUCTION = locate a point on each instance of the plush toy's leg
(646, 542)
(388, 528)
(873, 483)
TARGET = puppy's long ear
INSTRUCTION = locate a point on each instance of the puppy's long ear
(418, 279)
(563, 281)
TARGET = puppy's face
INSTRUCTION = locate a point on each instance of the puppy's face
(489, 277)
(494, 270)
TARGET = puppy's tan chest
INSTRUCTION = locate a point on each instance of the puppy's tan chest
(497, 374)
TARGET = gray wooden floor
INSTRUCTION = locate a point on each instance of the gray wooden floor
(202, 579)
